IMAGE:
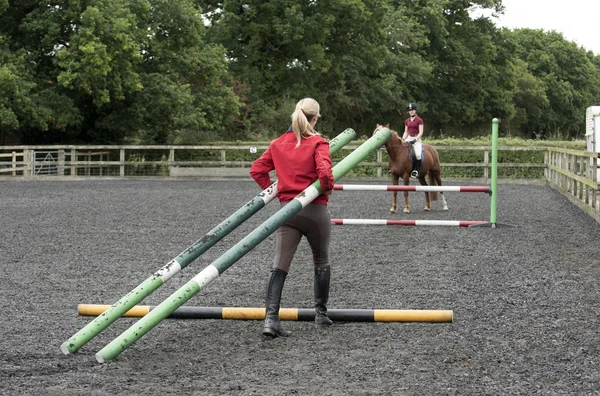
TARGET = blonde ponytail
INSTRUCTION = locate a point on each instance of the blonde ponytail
(306, 110)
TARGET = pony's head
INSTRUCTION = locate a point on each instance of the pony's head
(379, 126)
(395, 135)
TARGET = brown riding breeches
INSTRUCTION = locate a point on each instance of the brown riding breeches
(314, 223)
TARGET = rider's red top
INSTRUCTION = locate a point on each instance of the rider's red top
(296, 167)
(413, 125)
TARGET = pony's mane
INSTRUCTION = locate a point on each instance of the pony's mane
(394, 133)
(397, 135)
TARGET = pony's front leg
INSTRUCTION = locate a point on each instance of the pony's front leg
(444, 201)
(427, 201)
(438, 180)
(394, 194)
(406, 179)
(406, 208)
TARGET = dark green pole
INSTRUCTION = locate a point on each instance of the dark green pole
(211, 272)
(157, 279)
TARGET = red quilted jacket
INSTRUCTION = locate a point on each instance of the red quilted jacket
(296, 167)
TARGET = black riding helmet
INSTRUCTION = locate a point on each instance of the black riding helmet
(411, 106)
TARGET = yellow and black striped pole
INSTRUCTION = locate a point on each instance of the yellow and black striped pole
(293, 314)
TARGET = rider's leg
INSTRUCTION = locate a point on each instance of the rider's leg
(410, 140)
(417, 148)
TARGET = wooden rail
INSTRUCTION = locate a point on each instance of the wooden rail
(167, 160)
(575, 175)
(15, 167)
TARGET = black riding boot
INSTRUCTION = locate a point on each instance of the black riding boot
(272, 326)
(417, 170)
(322, 278)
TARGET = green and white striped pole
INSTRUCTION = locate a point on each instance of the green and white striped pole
(494, 172)
(194, 251)
(220, 265)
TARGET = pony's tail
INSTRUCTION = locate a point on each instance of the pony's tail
(433, 196)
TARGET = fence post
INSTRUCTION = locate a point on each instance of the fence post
(546, 162)
(557, 174)
(486, 163)
(222, 158)
(379, 162)
(61, 162)
(568, 180)
(122, 162)
(73, 159)
(14, 163)
(573, 185)
(171, 160)
(552, 160)
(559, 166)
(566, 167)
(31, 162)
(582, 174)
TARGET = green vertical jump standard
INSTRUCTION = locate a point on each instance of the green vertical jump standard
(494, 182)
(187, 291)
(183, 259)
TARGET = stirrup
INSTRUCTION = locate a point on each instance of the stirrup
(414, 174)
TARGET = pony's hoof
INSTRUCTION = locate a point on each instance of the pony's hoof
(445, 208)
(427, 209)
(392, 210)
(406, 210)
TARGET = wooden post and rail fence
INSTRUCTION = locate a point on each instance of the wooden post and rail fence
(573, 173)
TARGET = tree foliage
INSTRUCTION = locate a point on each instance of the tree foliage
(567, 76)
(123, 71)
(157, 71)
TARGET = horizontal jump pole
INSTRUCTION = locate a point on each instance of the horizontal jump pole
(448, 223)
(292, 314)
(375, 187)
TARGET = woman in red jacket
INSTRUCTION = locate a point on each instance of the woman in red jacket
(299, 157)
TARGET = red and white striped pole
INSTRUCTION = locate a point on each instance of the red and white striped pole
(375, 187)
(447, 223)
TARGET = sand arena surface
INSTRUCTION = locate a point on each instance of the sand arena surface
(525, 299)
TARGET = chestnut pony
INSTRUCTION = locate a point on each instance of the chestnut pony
(400, 167)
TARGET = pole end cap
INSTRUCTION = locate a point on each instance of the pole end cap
(64, 350)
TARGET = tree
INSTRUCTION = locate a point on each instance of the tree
(344, 53)
(471, 80)
(26, 106)
(136, 71)
(568, 75)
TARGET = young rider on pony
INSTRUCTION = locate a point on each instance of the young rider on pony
(413, 130)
